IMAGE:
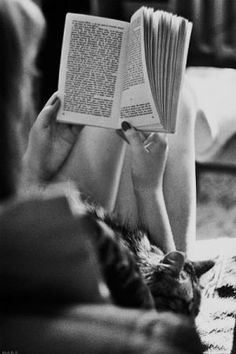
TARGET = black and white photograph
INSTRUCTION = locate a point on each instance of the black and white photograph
(118, 177)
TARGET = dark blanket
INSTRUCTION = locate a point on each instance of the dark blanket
(216, 320)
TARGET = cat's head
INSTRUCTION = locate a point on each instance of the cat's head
(174, 283)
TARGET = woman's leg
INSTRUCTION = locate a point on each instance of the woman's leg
(179, 181)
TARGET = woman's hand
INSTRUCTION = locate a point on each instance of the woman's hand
(148, 159)
(49, 145)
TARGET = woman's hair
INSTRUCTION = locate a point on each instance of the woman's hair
(21, 28)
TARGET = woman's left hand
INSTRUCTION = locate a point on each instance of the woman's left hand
(49, 144)
(148, 157)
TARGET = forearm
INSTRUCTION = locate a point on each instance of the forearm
(148, 160)
(29, 179)
(154, 218)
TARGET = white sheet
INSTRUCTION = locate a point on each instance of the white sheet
(215, 91)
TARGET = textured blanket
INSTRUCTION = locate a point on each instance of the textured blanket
(216, 320)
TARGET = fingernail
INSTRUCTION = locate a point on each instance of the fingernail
(54, 100)
(125, 126)
(122, 135)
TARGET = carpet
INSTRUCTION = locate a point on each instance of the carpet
(216, 237)
(216, 205)
(216, 320)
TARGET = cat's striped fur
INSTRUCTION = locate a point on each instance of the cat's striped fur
(139, 274)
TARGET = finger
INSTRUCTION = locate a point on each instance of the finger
(157, 146)
(76, 128)
(51, 99)
(149, 138)
(133, 136)
(148, 147)
(161, 140)
(143, 135)
(122, 135)
(158, 137)
(48, 115)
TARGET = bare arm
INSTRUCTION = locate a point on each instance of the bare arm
(148, 160)
(49, 145)
(179, 184)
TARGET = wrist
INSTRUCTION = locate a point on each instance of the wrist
(31, 174)
(148, 199)
(153, 185)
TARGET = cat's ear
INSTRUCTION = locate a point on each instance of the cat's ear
(202, 267)
(175, 260)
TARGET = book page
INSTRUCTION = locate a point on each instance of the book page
(171, 35)
(92, 60)
(178, 68)
(137, 104)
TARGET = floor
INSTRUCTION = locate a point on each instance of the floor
(216, 214)
(216, 236)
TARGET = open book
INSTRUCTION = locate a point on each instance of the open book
(112, 71)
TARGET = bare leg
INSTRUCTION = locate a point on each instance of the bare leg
(95, 165)
(179, 181)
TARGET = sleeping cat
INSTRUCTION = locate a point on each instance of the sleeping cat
(139, 274)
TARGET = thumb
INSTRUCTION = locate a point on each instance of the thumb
(48, 115)
(132, 136)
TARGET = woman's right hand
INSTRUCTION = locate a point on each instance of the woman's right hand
(50, 144)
